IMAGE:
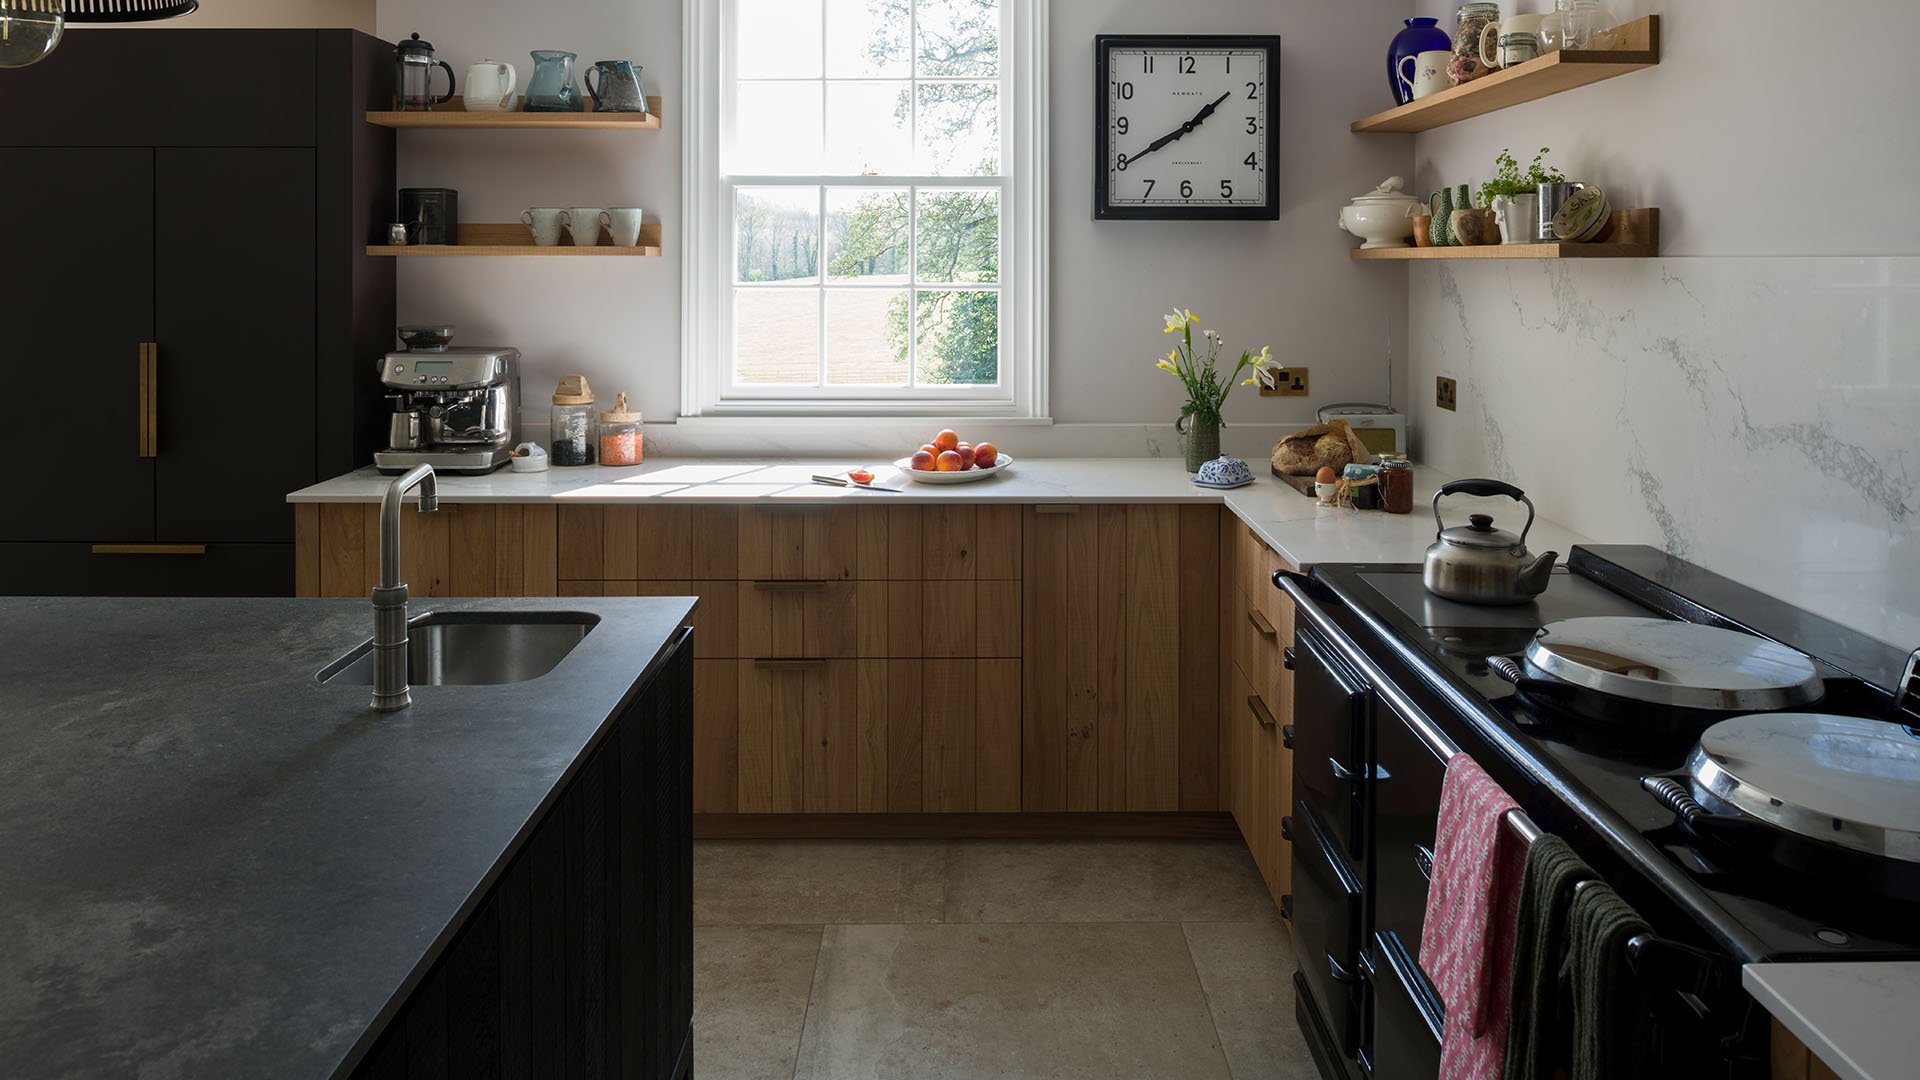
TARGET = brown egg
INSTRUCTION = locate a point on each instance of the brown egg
(1325, 475)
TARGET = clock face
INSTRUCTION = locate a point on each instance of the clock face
(1187, 127)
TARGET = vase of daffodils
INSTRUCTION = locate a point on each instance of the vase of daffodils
(1199, 372)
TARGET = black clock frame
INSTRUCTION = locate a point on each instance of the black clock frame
(1103, 44)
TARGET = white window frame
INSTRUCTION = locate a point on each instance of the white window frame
(707, 263)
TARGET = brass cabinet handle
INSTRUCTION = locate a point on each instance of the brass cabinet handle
(149, 549)
(149, 399)
(1259, 620)
(1057, 508)
(786, 585)
(798, 663)
(1260, 711)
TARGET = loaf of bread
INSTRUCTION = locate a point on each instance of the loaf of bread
(1332, 444)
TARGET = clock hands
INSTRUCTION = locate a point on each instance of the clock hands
(1198, 118)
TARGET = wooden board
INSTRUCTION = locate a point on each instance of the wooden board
(1301, 484)
(1629, 47)
(1636, 235)
(512, 238)
(454, 114)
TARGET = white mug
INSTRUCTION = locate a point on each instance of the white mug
(545, 222)
(584, 223)
(490, 85)
(1514, 41)
(623, 224)
(1429, 74)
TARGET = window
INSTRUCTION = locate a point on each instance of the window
(864, 182)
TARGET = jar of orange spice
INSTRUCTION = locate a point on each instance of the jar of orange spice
(620, 434)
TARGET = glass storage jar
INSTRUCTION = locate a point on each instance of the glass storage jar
(620, 434)
(572, 438)
(1469, 22)
(1396, 484)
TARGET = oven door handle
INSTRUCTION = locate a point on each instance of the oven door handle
(1295, 586)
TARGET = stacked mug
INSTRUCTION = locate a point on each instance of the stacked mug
(549, 223)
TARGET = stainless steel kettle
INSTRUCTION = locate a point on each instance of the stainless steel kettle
(1476, 563)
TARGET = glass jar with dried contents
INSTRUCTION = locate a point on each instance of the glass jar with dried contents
(620, 435)
(572, 433)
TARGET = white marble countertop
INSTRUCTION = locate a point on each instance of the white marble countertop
(1291, 523)
(1857, 1018)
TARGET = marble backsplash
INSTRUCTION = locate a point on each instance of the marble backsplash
(1758, 416)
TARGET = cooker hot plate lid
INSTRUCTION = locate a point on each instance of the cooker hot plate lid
(1664, 662)
(1841, 779)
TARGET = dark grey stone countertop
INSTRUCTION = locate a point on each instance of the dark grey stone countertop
(213, 865)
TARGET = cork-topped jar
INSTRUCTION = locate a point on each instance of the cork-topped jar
(620, 434)
(571, 439)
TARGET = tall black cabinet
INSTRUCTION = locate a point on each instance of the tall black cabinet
(190, 320)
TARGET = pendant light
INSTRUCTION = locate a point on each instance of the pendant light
(29, 29)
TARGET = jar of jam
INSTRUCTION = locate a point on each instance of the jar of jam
(1396, 484)
(620, 434)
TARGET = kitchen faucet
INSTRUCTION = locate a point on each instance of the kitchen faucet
(390, 691)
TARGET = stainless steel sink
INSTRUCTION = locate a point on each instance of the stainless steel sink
(474, 648)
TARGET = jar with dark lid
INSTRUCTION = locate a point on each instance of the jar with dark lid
(1396, 484)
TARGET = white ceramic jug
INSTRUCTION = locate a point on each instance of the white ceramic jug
(490, 86)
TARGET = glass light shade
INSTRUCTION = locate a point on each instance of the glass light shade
(29, 29)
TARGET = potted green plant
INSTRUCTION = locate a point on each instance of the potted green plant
(1206, 390)
(1513, 195)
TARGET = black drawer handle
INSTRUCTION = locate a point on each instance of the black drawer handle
(1286, 736)
(1340, 974)
(1287, 657)
(1423, 858)
(1286, 906)
(1260, 711)
(1347, 776)
(1286, 828)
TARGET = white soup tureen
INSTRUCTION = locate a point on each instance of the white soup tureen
(1382, 217)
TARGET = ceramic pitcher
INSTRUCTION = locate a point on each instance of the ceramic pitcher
(1441, 229)
(615, 86)
(551, 88)
(490, 86)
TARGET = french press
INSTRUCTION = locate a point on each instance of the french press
(413, 65)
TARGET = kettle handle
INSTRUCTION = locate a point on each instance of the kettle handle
(1486, 489)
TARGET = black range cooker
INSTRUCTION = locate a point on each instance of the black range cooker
(1391, 680)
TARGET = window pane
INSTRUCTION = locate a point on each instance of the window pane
(776, 129)
(958, 236)
(958, 337)
(867, 38)
(867, 337)
(869, 128)
(867, 234)
(776, 336)
(959, 129)
(777, 39)
(776, 234)
(959, 37)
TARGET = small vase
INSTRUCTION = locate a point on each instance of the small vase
(1202, 439)
(1441, 203)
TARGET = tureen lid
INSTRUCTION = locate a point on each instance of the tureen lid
(1389, 191)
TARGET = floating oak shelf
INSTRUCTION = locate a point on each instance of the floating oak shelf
(512, 238)
(1636, 235)
(454, 114)
(1628, 47)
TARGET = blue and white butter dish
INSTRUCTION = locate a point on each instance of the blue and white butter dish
(1224, 472)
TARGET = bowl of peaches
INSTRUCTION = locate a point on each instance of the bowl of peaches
(947, 460)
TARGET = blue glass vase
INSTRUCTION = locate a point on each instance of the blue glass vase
(1420, 35)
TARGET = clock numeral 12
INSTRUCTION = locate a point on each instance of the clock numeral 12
(1186, 65)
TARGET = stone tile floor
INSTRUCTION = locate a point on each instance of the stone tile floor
(1109, 959)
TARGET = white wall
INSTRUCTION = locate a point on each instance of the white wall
(1287, 283)
(1746, 402)
(328, 14)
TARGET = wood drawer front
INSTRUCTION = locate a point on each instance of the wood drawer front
(463, 549)
(642, 543)
(834, 736)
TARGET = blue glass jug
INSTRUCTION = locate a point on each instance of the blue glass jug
(551, 89)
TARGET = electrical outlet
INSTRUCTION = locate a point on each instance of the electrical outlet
(1287, 382)
(1446, 393)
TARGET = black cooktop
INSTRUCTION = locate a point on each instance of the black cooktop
(1763, 914)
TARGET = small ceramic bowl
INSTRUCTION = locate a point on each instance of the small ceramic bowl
(1224, 472)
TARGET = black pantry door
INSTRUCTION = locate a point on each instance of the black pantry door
(76, 302)
(234, 286)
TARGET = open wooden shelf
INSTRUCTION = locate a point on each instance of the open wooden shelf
(454, 114)
(1628, 47)
(512, 238)
(1636, 235)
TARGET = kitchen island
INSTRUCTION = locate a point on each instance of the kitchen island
(216, 865)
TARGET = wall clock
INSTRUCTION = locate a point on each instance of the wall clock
(1186, 127)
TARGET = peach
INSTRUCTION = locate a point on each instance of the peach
(950, 461)
(966, 456)
(985, 455)
(921, 461)
(947, 439)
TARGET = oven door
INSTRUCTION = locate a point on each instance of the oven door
(1329, 713)
(1407, 1015)
(1326, 926)
(1409, 773)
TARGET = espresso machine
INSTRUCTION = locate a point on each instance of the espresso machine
(456, 409)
